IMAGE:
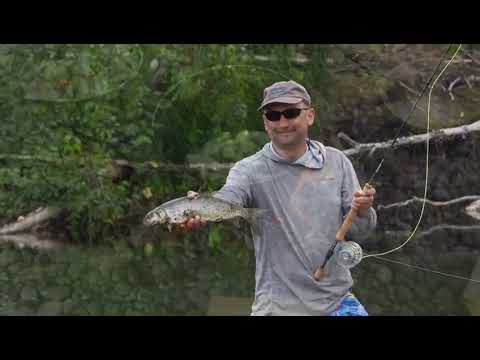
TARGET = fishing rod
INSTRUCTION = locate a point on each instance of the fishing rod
(350, 253)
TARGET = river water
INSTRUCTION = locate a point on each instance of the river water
(198, 279)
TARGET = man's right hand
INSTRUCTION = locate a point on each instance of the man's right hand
(193, 223)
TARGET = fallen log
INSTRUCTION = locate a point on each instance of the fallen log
(27, 222)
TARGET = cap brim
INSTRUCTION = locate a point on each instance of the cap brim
(281, 100)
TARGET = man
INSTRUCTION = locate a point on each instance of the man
(309, 189)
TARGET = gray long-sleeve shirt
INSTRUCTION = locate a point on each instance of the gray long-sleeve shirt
(308, 200)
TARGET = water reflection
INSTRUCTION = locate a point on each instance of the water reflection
(472, 291)
(196, 279)
(411, 284)
(30, 241)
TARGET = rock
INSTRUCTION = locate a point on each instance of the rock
(50, 308)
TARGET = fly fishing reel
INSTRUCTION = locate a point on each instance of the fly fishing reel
(348, 254)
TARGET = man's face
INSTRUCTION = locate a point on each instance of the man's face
(289, 133)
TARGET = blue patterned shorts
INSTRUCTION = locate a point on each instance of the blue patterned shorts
(350, 306)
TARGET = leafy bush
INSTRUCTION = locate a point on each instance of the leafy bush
(67, 110)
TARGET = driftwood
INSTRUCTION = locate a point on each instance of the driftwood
(26, 223)
(446, 134)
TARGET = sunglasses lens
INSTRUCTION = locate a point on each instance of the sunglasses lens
(291, 113)
(273, 115)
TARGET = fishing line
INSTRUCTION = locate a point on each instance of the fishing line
(378, 256)
(427, 152)
(426, 269)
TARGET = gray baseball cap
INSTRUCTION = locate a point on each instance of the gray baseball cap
(285, 92)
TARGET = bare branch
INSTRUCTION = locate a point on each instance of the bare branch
(452, 84)
(415, 139)
(431, 202)
(348, 139)
(471, 57)
(465, 78)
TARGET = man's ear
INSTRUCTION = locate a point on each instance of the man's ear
(311, 117)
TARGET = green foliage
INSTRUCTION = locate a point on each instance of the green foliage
(67, 110)
(226, 148)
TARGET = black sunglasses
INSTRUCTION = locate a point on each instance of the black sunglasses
(291, 113)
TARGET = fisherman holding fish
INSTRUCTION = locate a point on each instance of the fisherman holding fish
(308, 189)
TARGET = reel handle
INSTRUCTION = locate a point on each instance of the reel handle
(319, 272)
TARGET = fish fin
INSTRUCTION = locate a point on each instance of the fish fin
(207, 194)
(236, 223)
(249, 240)
(252, 214)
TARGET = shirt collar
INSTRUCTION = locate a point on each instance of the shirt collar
(313, 157)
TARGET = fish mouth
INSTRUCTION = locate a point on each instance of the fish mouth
(149, 220)
(154, 218)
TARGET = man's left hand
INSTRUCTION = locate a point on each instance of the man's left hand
(363, 200)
